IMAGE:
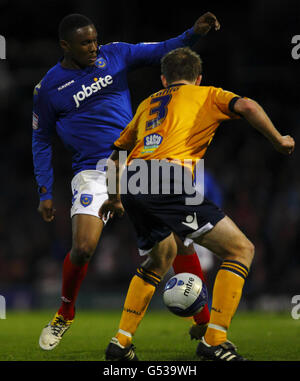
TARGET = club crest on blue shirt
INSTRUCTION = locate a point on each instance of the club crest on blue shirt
(100, 62)
(86, 199)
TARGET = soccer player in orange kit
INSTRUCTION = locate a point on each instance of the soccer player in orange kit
(175, 126)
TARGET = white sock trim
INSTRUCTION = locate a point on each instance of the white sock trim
(205, 343)
(217, 327)
(128, 334)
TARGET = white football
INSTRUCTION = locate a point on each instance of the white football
(185, 294)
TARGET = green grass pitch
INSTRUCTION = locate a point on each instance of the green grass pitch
(161, 336)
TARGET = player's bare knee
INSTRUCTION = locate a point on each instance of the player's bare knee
(169, 257)
(163, 262)
(81, 253)
(248, 250)
(162, 258)
(243, 252)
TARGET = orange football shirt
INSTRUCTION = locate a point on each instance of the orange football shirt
(176, 123)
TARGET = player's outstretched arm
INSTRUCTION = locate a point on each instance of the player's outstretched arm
(150, 53)
(257, 117)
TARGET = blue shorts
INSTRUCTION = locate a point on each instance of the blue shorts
(155, 216)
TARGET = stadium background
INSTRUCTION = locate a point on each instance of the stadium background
(250, 55)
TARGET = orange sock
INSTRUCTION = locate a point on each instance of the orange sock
(139, 295)
(227, 293)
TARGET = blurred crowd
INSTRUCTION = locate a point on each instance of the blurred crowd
(250, 55)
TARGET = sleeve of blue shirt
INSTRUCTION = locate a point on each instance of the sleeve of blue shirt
(43, 126)
(150, 53)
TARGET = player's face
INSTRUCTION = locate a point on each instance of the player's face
(83, 46)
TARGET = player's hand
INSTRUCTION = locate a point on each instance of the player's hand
(285, 145)
(205, 23)
(110, 208)
(46, 210)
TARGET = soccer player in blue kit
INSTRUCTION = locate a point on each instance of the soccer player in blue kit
(85, 98)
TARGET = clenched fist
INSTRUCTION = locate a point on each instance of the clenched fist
(205, 22)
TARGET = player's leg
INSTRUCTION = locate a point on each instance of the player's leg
(89, 192)
(188, 261)
(228, 242)
(86, 232)
(139, 295)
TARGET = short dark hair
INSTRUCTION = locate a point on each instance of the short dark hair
(181, 63)
(70, 23)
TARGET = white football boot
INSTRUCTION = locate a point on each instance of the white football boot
(53, 332)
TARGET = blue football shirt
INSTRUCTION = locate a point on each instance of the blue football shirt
(89, 107)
